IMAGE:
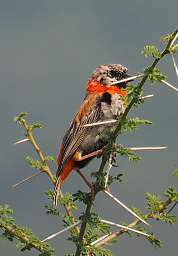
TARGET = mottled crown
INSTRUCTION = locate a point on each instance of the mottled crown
(109, 73)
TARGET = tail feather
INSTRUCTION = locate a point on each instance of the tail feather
(62, 176)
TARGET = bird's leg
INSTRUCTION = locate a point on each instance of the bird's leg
(113, 161)
(89, 184)
(78, 155)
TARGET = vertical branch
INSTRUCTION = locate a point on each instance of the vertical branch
(83, 226)
(29, 135)
(97, 185)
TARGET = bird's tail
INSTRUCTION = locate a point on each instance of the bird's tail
(68, 167)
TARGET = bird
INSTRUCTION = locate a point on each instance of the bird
(105, 100)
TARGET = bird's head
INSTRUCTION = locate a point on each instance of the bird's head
(107, 77)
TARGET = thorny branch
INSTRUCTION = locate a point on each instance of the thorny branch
(105, 157)
(97, 187)
(24, 238)
(136, 222)
(45, 168)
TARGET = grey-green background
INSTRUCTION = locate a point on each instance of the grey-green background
(47, 51)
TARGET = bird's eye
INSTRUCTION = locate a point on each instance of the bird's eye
(114, 73)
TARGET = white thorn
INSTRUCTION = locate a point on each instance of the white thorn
(108, 171)
(61, 231)
(175, 38)
(126, 79)
(124, 206)
(175, 65)
(147, 148)
(100, 123)
(169, 85)
(124, 227)
(100, 239)
(26, 179)
(147, 96)
(21, 141)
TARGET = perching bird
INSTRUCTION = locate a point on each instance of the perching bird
(105, 100)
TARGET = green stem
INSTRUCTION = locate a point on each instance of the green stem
(150, 215)
(83, 227)
(14, 231)
(116, 133)
(46, 168)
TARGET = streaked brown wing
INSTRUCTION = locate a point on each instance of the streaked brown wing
(89, 113)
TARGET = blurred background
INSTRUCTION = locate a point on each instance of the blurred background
(48, 50)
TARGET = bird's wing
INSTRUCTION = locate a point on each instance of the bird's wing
(89, 113)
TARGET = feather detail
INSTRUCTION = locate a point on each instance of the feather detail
(59, 157)
(77, 131)
(68, 167)
(62, 176)
(94, 86)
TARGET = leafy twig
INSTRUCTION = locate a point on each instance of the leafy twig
(26, 237)
(44, 167)
(157, 210)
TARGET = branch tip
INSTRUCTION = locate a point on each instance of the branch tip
(169, 85)
(147, 148)
(21, 141)
(147, 96)
(127, 79)
(125, 207)
(125, 227)
(26, 179)
(101, 123)
(61, 231)
(175, 65)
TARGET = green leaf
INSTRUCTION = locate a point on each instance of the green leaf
(174, 48)
(5, 210)
(133, 123)
(81, 196)
(176, 174)
(154, 241)
(68, 220)
(6, 236)
(19, 117)
(35, 163)
(154, 203)
(134, 92)
(98, 251)
(151, 50)
(52, 211)
(50, 158)
(155, 75)
(49, 194)
(20, 246)
(169, 219)
(95, 228)
(166, 38)
(126, 152)
(100, 179)
(67, 198)
(36, 125)
(12, 231)
(139, 213)
(172, 194)
(115, 178)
